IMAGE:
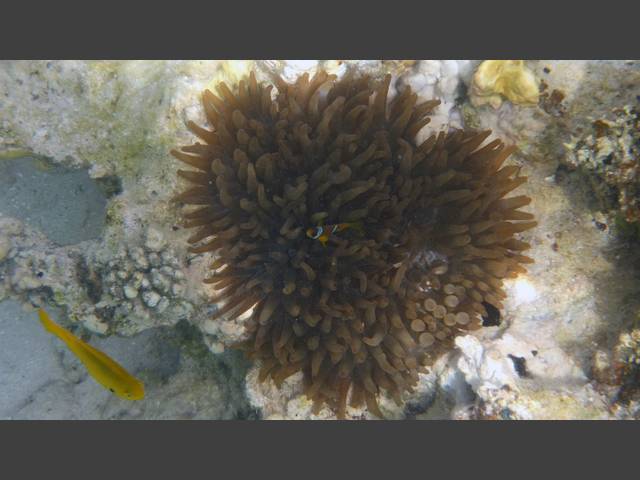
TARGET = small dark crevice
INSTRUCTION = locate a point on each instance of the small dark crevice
(520, 366)
(89, 279)
(492, 319)
(110, 185)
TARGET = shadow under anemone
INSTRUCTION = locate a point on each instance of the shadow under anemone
(371, 309)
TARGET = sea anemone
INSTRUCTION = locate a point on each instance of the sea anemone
(371, 309)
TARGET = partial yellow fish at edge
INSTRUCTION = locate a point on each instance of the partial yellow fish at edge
(101, 367)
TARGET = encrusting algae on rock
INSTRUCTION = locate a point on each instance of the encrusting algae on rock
(368, 312)
(496, 80)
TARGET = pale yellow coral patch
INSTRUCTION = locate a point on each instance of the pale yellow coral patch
(495, 80)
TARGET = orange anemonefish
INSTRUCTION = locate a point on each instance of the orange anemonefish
(323, 232)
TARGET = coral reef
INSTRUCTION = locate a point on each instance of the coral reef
(145, 281)
(618, 374)
(32, 272)
(117, 120)
(505, 374)
(363, 314)
(126, 290)
(441, 80)
(609, 153)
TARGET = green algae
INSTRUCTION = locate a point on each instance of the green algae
(12, 153)
(627, 230)
(114, 121)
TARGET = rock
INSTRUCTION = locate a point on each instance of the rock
(5, 246)
(162, 305)
(155, 240)
(130, 292)
(94, 324)
(151, 298)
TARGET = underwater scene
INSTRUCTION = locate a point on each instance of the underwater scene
(320, 240)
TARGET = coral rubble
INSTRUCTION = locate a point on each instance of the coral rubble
(609, 153)
(618, 373)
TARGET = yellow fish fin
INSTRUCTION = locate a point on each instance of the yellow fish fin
(106, 371)
(324, 239)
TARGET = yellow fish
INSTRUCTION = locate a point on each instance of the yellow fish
(102, 368)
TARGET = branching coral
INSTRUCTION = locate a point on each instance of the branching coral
(367, 312)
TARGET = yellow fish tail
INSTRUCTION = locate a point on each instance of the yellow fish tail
(64, 335)
(50, 326)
